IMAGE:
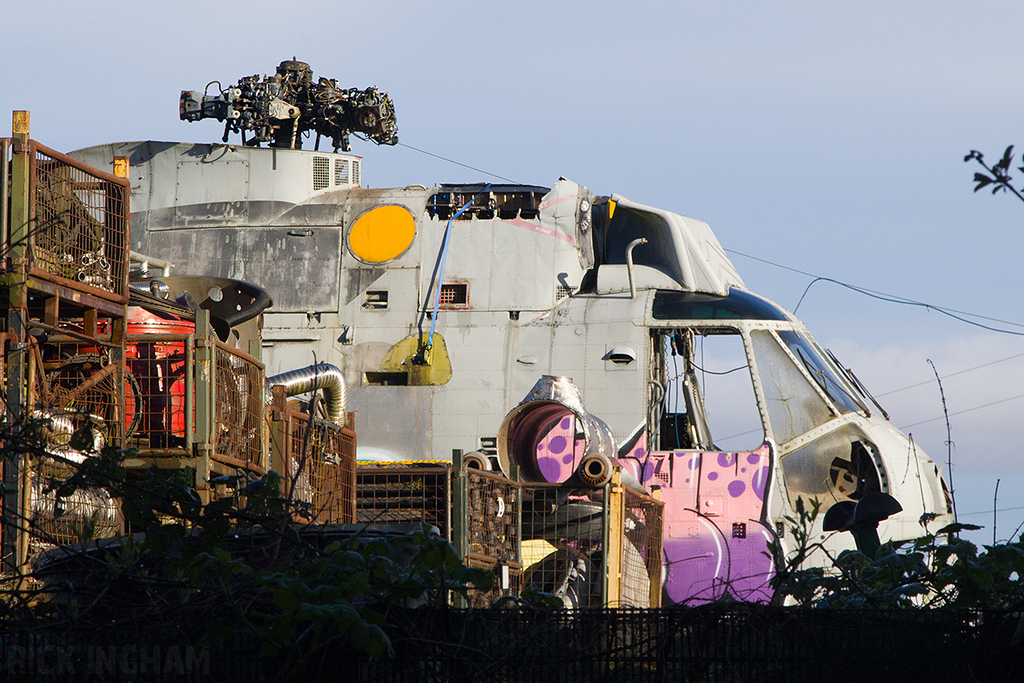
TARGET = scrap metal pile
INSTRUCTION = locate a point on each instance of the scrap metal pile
(279, 109)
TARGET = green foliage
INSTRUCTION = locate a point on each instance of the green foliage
(300, 592)
(998, 175)
(938, 570)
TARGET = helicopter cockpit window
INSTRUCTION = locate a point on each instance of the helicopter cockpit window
(838, 466)
(843, 394)
(794, 407)
(702, 393)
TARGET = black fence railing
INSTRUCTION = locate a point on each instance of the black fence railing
(716, 643)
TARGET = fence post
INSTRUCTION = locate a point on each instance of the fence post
(14, 538)
(613, 549)
(460, 514)
(205, 400)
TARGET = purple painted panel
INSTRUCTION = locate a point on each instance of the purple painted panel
(558, 451)
(714, 540)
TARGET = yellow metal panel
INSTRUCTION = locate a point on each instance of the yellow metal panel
(20, 122)
(382, 234)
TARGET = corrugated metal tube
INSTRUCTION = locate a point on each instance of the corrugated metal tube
(318, 376)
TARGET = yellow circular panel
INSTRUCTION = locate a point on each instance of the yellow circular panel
(382, 234)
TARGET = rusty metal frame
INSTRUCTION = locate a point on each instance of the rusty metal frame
(329, 486)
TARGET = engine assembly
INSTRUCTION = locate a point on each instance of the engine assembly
(279, 109)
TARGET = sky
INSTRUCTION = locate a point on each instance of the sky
(821, 139)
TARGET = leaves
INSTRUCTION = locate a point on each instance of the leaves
(937, 570)
(998, 176)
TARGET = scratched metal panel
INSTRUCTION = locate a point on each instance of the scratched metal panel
(299, 268)
(393, 423)
(212, 192)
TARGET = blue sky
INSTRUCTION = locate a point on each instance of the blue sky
(826, 137)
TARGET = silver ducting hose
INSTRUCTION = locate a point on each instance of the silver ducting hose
(477, 461)
(595, 470)
(318, 376)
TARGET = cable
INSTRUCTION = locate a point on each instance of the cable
(444, 258)
(891, 298)
(457, 163)
(953, 374)
(967, 410)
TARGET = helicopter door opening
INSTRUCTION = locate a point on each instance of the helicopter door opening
(702, 394)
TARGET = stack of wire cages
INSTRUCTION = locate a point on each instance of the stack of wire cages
(239, 405)
(161, 391)
(80, 225)
(492, 533)
(319, 468)
(62, 519)
(64, 227)
(564, 542)
(403, 493)
(641, 556)
(598, 547)
(478, 511)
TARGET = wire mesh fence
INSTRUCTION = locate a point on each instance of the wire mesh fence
(238, 408)
(564, 543)
(80, 223)
(641, 555)
(76, 385)
(56, 518)
(393, 493)
(164, 411)
(320, 468)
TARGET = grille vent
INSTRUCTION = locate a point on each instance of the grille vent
(454, 295)
(321, 173)
(341, 171)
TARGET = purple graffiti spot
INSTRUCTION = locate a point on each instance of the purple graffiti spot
(759, 482)
(687, 481)
(736, 488)
(752, 458)
(646, 472)
(743, 470)
(565, 423)
(712, 476)
(726, 459)
(549, 469)
(557, 444)
(638, 453)
(694, 462)
(540, 447)
(567, 459)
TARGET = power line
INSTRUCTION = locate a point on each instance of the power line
(952, 374)
(892, 298)
(457, 163)
(967, 410)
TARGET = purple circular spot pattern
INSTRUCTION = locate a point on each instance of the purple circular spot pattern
(549, 469)
(759, 482)
(726, 459)
(736, 488)
(639, 453)
(557, 444)
(752, 458)
(567, 459)
(694, 462)
(565, 423)
(712, 476)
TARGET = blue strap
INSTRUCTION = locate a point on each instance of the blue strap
(444, 258)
